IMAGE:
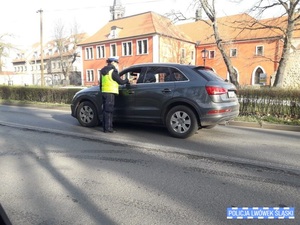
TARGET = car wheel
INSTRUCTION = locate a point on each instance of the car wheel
(87, 114)
(181, 122)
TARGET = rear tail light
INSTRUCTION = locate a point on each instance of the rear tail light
(215, 90)
(218, 111)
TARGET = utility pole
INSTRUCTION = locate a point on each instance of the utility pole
(42, 50)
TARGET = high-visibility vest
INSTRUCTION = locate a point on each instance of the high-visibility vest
(108, 84)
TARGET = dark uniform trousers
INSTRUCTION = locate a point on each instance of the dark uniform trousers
(108, 100)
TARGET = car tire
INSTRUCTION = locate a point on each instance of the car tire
(181, 122)
(87, 114)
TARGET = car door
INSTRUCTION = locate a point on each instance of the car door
(125, 101)
(152, 92)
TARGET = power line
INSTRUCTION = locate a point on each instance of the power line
(103, 6)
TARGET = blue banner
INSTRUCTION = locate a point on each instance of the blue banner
(261, 213)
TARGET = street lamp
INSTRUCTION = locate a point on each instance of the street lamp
(204, 54)
(34, 75)
(41, 43)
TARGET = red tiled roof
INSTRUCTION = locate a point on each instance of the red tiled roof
(282, 23)
(139, 25)
(233, 28)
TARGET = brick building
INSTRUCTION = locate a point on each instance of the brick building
(142, 38)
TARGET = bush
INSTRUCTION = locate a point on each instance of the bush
(259, 104)
(38, 94)
(270, 102)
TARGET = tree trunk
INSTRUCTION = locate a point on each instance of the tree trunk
(211, 13)
(231, 70)
(279, 77)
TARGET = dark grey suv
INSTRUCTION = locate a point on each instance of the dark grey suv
(183, 98)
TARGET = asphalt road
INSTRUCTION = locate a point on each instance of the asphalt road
(55, 172)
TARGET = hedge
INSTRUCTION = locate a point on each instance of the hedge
(38, 94)
(269, 102)
(275, 102)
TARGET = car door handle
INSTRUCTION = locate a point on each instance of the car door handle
(166, 90)
(130, 92)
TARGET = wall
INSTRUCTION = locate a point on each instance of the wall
(29, 79)
(124, 61)
(22, 79)
(246, 61)
(171, 51)
(292, 76)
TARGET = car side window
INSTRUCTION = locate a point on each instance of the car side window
(148, 76)
(133, 74)
(156, 75)
(177, 75)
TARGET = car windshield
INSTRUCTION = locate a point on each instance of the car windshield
(208, 74)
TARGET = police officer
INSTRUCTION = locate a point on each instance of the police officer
(109, 84)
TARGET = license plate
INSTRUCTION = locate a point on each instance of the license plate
(231, 94)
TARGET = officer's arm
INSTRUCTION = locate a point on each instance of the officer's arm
(116, 77)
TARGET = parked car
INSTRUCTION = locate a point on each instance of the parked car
(183, 98)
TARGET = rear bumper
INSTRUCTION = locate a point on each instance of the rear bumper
(212, 119)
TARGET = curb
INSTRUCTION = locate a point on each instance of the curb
(227, 123)
(64, 107)
(263, 125)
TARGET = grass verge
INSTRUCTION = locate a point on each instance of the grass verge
(250, 118)
(35, 104)
(269, 119)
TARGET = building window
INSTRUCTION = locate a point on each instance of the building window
(233, 52)
(211, 55)
(89, 53)
(100, 52)
(90, 76)
(113, 32)
(182, 53)
(142, 46)
(99, 75)
(127, 48)
(192, 55)
(259, 50)
(113, 50)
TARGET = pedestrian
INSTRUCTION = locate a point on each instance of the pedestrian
(109, 86)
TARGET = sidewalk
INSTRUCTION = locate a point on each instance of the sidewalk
(263, 125)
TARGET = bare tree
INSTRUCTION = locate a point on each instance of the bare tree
(66, 45)
(210, 11)
(5, 46)
(286, 24)
(175, 45)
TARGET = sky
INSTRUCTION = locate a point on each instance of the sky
(20, 17)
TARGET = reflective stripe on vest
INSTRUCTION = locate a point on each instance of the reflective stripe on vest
(108, 84)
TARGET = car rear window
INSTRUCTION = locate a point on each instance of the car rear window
(208, 74)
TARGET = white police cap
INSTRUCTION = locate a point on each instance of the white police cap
(113, 59)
